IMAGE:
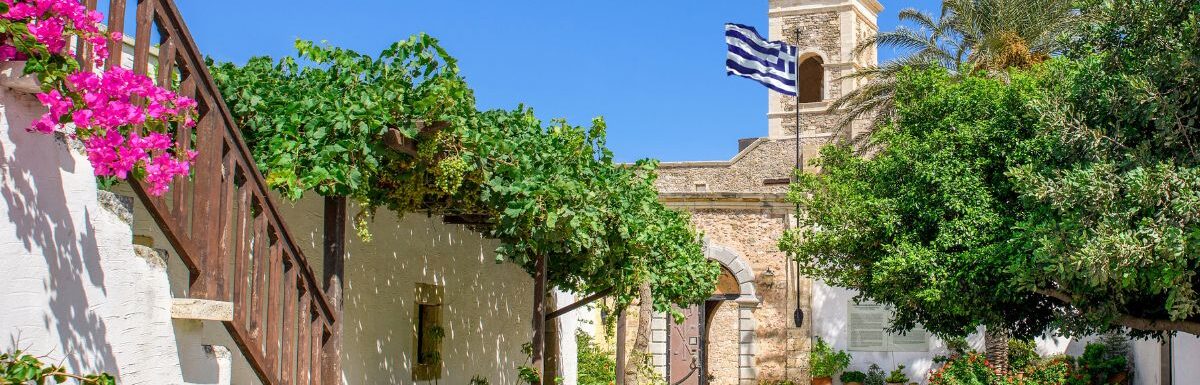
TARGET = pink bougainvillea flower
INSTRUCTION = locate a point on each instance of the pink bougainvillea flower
(49, 32)
(101, 104)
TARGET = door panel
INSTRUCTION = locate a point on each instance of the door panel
(684, 348)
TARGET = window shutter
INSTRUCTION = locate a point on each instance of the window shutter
(916, 340)
(867, 322)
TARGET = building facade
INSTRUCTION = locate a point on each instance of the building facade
(758, 326)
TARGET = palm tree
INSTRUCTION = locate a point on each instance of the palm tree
(936, 42)
(969, 36)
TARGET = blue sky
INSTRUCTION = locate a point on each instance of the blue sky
(654, 69)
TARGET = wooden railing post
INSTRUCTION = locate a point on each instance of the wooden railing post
(335, 267)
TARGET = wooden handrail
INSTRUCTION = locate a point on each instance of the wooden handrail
(222, 220)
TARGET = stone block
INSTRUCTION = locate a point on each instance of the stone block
(201, 309)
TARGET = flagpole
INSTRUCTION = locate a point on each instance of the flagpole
(799, 159)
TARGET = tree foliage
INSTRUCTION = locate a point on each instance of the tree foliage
(552, 190)
(925, 224)
(967, 36)
(1060, 198)
(1115, 221)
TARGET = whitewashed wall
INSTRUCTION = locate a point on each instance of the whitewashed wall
(830, 306)
(73, 288)
(486, 308)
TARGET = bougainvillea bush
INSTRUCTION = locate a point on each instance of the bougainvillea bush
(124, 120)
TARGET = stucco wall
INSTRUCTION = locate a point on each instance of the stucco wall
(486, 306)
(73, 288)
(830, 306)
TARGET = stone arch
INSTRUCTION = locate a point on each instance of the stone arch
(746, 301)
(739, 267)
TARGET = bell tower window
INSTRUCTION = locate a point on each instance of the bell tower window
(810, 80)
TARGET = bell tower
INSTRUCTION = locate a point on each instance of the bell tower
(825, 33)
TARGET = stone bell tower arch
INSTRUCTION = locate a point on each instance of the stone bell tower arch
(826, 32)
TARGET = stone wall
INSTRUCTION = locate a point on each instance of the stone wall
(766, 159)
(723, 344)
(780, 349)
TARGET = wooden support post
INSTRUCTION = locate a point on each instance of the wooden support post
(621, 348)
(334, 269)
(539, 318)
(1166, 364)
(553, 352)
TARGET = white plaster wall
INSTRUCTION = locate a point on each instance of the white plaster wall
(829, 308)
(191, 336)
(73, 288)
(567, 347)
(1186, 350)
(486, 306)
(830, 305)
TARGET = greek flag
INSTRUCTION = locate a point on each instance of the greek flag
(772, 63)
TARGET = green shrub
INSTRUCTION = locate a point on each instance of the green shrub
(1022, 354)
(825, 362)
(874, 376)
(1101, 360)
(16, 367)
(597, 366)
(973, 369)
(897, 376)
(853, 376)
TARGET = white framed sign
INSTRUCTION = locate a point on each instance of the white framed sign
(868, 324)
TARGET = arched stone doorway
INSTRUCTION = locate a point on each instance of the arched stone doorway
(716, 337)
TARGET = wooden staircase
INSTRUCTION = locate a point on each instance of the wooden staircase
(222, 221)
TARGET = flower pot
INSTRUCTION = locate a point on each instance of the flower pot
(1119, 378)
(822, 381)
(854, 383)
(12, 75)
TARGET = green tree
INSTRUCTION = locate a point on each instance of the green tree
(1114, 221)
(925, 225)
(1062, 198)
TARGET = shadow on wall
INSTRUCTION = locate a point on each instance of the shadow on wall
(38, 211)
(485, 307)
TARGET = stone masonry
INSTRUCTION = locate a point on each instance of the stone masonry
(740, 204)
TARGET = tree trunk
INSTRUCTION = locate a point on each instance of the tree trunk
(640, 352)
(995, 342)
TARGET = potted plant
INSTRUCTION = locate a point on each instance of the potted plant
(874, 376)
(825, 362)
(853, 377)
(1105, 362)
(897, 377)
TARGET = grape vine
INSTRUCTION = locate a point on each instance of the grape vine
(317, 123)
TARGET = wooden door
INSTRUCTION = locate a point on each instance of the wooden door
(685, 344)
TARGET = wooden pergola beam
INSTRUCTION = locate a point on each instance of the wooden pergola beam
(397, 141)
(577, 304)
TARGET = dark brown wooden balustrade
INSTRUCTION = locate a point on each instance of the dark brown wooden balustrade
(221, 220)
